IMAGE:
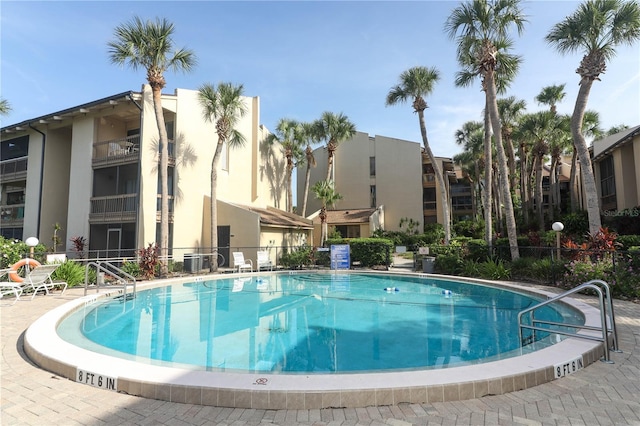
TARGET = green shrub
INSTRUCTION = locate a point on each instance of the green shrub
(470, 268)
(477, 249)
(469, 228)
(13, 250)
(132, 268)
(628, 241)
(297, 258)
(521, 268)
(70, 272)
(503, 250)
(450, 264)
(576, 225)
(494, 270)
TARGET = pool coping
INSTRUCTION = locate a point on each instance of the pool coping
(299, 391)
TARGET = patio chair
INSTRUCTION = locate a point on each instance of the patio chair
(239, 263)
(39, 278)
(8, 287)
(263, 261)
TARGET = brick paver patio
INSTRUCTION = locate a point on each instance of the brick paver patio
(600, 394)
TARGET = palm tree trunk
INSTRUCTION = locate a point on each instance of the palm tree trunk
(488, 172)
(538, 192)
(588, 179)
(289, 189)
(213, 208)
(512, 231)
(307, 178)
(553, 197)
(444, 200)
(572, 181)
(523, 183)
(164, 180)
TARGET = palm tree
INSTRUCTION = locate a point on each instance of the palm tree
(510, 110)
(223, 106)
(596, 28)
(616, 129)
(415, 84)
(481, 29)
(334, 128)
(470, 136)
(149, 45)
(326, 193)
(590, 129)
(289, 135)
(551, 95)
(5, 107)
(310, 135)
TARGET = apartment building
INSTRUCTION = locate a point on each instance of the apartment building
(383, 180)
(92, 169)
(615, 166)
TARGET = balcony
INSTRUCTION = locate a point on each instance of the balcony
(116, 151)
(123, 151)
(159, 206)
(114, 208)
(12, 216)
(429, 179)
(14, 169)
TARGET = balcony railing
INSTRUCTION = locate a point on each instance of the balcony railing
(114, 208)
(116, 151)
(13, 169)
(429, 178)
(122, 151)
(159, 207)
(12, 215)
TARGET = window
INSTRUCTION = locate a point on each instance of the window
(607, 184)
(14, 148)
(372, 195)
(372, 167)
(429, 198)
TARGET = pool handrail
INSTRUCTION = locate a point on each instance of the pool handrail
(594, 285)
(111, 269)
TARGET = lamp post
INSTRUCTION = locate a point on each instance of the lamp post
(31, 242)
(558, 227)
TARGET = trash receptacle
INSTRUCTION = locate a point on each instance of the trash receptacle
(428, 264)
(192, 263)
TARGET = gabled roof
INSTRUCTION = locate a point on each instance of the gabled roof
(279, 218)
(604, 146)
(348, 216)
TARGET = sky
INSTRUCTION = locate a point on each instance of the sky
(300, 57)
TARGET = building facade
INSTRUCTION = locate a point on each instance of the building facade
(392, 175)
(92, 169)
(616, 166)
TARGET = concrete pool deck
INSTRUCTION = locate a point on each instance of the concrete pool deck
(598, 394)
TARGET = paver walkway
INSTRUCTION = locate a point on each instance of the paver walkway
(600, 394)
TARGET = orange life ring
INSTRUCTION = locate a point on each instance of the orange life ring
(13, 270)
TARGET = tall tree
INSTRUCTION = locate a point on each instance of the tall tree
(289, 135)
(590, 129)
(326, 193)
(470, 137)
(596, 28)
(415, 84)
(310, 135)
(481, 29)
(551, 95)
(223, 106)
(334, 129)
(510, 110)
(5, 107)
(149, 45)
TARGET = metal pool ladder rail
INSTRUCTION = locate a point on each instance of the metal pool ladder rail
(124, 279)
(606, 309)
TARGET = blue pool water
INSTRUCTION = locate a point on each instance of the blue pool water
(310, 323)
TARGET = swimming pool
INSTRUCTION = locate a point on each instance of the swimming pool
(311, 323)
(267, 382)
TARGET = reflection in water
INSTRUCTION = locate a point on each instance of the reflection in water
(312, 323)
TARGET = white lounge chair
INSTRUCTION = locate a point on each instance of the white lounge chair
(239, 263)
(8, 287)
(263, 261)
(39, 278)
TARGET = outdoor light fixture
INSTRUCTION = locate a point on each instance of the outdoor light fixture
(558, 227)
(31, 242)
